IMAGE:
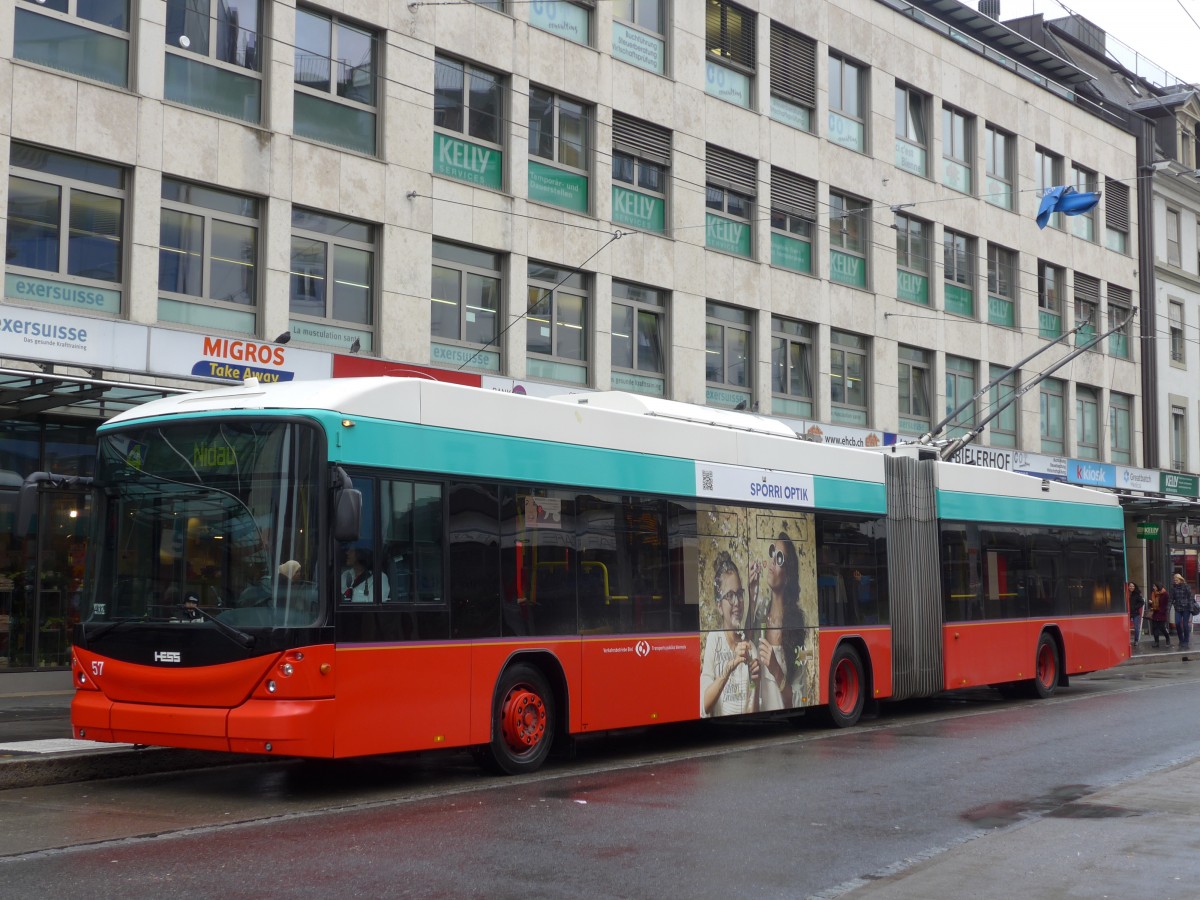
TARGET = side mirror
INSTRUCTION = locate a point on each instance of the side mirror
(347, 507)
(27, 499)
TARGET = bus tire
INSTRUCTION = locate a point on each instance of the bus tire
(1046, 668)
(847, 687)
(523, 721)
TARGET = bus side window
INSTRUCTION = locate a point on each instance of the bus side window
(357, 563)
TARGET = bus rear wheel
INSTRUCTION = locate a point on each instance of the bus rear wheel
(1046, 668)
(523, 721)
(846, 687)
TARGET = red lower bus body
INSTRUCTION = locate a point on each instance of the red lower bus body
(336, 702)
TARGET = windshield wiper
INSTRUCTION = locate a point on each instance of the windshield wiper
(110, 626)
(242, 639)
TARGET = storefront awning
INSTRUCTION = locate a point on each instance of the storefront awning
(1160, 506)
(25, 394)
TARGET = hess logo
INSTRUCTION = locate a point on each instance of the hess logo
(166, 656)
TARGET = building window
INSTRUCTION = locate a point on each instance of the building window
(1052, 416)
(730, 44)
(1050, 285)
(793, 212)
(1116, 215)
(1087, 309)
(83, 37)
(847, 104)
(334, 100)
(641, 159)
(793, 77)
(791, 368)
(1000, 171)
(1087, 422)
(565, 18)
(728, 339)
(1179, 437)
(960, 388)
(730, 189)
(1120, 304)
(1175, 320)
(1173, 255)
(226, 37)
(1002, 286)
(639, 339)
(912, 259)
(958, 272)
(639, 35)
(332, 281)
(557, 324)
(559, 149)
(65, 243)
(913, 384)
(1120, 433)
(208, 257)
(1083, 225)
(468, 108)
(958, 150)
(912, 130)
(465, 307)
(1048, 173)
(1002, 396)
(849, 396)
(849, 239)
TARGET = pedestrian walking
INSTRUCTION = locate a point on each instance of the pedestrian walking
(1137, 605)
(1181, 601)
(1159, 606)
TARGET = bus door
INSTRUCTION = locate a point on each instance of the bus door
(392, 620)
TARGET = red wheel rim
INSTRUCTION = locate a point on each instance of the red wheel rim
(523, 719)
(1045, 665)
(845, 686)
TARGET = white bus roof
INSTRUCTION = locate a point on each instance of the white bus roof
(611, 420)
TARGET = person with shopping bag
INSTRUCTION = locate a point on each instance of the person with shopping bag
(1159, 613)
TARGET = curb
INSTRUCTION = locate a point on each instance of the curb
(118, 762)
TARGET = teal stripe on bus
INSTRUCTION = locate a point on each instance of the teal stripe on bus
(474, 454)
(850, 496)
(1019, 510)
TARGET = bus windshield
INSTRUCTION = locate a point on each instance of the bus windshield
(206, 520)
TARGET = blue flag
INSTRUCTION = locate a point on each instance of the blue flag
(1065, 199)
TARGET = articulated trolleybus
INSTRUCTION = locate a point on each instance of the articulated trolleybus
(374, 565)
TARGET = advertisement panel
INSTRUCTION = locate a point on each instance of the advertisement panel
(232, 359)
(45, 336)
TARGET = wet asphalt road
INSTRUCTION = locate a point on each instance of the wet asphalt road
(735, 811)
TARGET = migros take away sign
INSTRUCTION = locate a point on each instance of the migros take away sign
(233, 359)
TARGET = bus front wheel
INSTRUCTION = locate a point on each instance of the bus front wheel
(523, 721)
(847, 687)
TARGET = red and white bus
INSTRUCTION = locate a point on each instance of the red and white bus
(375, 565)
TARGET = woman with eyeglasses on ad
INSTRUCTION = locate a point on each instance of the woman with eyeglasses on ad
(729, 671)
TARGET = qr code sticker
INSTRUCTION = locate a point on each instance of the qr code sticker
(706, 480)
